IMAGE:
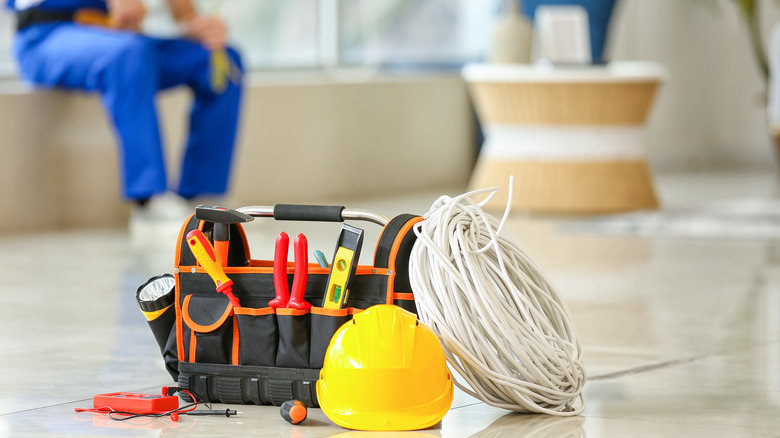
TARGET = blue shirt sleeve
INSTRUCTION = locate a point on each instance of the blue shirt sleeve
(57, 4)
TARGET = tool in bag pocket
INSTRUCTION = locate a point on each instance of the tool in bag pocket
(205, 255)
(268, 345)
(345, 261)
(284, 296)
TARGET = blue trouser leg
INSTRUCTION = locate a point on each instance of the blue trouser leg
(119, 65)
(213, 118)
(128, 69)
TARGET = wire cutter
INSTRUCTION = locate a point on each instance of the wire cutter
(285, 297)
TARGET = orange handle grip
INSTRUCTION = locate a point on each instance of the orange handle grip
(205, 255)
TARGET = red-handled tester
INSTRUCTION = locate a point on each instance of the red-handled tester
(136, 403)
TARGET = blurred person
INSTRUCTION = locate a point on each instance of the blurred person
(95, 46)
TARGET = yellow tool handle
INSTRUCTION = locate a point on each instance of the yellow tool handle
(220, 70)
(205, 255)
(341, 269)
(151, 316)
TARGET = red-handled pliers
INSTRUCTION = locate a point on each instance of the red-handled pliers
(284, 296)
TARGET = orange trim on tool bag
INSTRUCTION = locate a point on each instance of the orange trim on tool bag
(244, 241)
(193, 345)
(394, 252)
(354, 310)
(315, 268)
(376, 246)
(252, 311)
(403, 296)
(249, 270)
(267, 266)
(390, 288)
(179, 324)
(261, 264)
(369, 270)
(203, 328)
(182, 233)
(227, 270)
(236, 341)
(397, 242)
(330, 312)
(291, 312)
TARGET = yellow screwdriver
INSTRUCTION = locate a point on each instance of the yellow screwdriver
(205, 255)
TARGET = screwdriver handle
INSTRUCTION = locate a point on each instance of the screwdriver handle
(205, 255)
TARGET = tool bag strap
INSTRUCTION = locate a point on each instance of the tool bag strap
(392, 252)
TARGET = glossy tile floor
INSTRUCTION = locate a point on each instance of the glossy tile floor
(681, 336)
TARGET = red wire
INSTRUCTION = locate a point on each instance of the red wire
(194, 405)
(100, 410)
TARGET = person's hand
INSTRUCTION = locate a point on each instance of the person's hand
(126, 14)
(209, 30)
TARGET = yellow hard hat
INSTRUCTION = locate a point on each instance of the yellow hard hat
(384, 371)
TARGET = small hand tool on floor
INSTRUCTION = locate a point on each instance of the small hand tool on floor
(284, 296)
(205, 255)
(293, 411)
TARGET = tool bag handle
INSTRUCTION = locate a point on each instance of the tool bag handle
(315, 213)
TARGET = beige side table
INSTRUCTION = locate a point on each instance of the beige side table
(572, 137)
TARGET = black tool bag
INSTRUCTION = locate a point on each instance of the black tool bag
(256, 354)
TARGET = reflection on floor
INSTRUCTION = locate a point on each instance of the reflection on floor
(681, 335)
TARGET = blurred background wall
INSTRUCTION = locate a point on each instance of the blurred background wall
(711, 111)
(364, 98)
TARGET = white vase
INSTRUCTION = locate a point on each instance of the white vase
(511, 37)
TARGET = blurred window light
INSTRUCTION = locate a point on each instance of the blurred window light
(412, 33)
(7, 29)
(313, 34)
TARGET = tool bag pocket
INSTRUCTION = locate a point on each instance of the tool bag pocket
(208, 329)
(258, 336)
(324, 323)
(287, 338)
(294, 338)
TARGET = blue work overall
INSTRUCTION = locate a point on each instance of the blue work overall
(127, 70)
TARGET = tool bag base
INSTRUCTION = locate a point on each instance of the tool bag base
(249, 384)
(255, 354)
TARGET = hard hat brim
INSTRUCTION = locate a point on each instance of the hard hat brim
(400, 418)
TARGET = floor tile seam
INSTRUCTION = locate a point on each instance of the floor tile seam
(145, 390)
(676, 421)
(675, 362)
(54, 405)
(648, 367)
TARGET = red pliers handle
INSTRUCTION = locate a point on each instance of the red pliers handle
(284, 296)
(281, 288)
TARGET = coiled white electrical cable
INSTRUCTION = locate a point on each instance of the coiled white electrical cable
(503, 326)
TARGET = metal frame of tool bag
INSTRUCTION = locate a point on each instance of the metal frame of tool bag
(255, 354)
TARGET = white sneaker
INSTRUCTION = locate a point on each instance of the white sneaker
(159, 221)
(165, 207)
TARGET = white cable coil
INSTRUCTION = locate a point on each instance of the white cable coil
(503, 326)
